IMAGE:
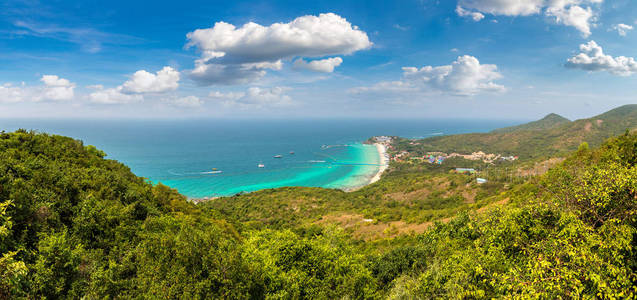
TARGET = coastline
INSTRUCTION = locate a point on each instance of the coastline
(383, 161)
(368, 169)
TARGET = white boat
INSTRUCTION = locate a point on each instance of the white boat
(278, 156)
(261, 165)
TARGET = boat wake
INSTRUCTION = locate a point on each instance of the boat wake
(171, 172)
(211, 172)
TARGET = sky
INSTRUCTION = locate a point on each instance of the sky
(462, 59)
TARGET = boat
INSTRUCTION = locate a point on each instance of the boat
(261, 165)
(291, 152)
(278, 156)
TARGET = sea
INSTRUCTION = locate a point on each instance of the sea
(211, 158)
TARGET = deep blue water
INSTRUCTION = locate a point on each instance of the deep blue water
(183, 153)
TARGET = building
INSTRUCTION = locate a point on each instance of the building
(465, 170)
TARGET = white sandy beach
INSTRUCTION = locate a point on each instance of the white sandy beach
(384, 162)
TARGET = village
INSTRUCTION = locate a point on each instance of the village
(439, 157)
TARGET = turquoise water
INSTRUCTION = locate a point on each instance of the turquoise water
(182, 154)
(336, 166)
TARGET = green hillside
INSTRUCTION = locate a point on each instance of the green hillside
(75, 225)
(548, 122)
(532, 141)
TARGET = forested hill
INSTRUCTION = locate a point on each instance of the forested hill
(74, 225)
(549, 136)
(548, 122)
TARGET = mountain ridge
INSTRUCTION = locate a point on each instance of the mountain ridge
(560, 138)
(549, 121)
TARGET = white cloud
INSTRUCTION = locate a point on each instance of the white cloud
(324, 65)
(226, 96)
(232, 55)
(266, 97)
(569, 14)
(592, 58)
(503, 7)
(133, 90)
(575, 13)
(187, 102)
(622, 29)
(476, 16)
(255, 97)
(56, 89)
(464, 77)
(113, 96)
(167, 79)
(11, 94)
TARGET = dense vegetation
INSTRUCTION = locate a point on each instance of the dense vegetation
(73, 224)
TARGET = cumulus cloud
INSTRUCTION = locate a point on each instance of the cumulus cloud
(255, 97)
(622, 29)
(167, 79)
(324, 65)
(231, 55)
(113, 96)
(54, 88)
(134, 89)
(575, 13)
(464, 77)
(592, 58)
(476, 16)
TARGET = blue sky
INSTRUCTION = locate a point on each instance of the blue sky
(491, 59)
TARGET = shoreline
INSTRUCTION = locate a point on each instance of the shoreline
(384, 162)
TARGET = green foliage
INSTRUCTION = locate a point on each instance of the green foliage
(412, 197)
(75, 225)
(402, 260)
(58, 270)
(73, 220)
(188, 258)
(12, 275)
(600, 186)
(12, 272)
(288, 266)
(530, 252)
